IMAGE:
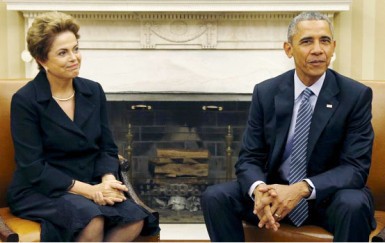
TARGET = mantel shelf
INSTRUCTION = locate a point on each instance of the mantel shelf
(179, 5)
(176, 96)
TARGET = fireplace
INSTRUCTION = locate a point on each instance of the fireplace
(176, 149)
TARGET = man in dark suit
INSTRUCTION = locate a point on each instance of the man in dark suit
(334, 132)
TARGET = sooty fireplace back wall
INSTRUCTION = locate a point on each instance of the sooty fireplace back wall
(177, 149)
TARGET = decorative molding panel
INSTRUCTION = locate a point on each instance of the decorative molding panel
(229, 31)
(179, 32)
(179, 46)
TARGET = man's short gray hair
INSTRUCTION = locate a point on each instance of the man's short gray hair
(292, 30)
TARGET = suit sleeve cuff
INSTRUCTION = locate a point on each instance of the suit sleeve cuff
(252, 188)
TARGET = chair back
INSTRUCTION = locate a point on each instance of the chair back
(376, 181)
(7, 160)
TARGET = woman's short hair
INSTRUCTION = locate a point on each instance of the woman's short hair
(44, 30)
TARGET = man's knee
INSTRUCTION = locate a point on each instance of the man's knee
(352, 199)
(213, 193)
(352, 202)
(351, 215)
(223, 195)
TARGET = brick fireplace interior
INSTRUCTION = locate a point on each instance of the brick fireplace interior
(178, 149)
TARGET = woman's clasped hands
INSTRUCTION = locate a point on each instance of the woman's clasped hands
(109, 191)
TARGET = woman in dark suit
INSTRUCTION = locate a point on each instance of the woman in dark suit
(67, 161)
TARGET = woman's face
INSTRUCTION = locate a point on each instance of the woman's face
(63, 60)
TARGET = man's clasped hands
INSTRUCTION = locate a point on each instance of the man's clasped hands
(272, 203)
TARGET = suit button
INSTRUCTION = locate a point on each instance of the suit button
(82, 142)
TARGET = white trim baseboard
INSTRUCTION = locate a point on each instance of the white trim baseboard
(183, 232)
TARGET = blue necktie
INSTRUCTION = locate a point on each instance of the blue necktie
(298, 162)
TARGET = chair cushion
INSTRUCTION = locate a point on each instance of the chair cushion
(306, 233)
(28, 231)
(380, 219)
(287, 232)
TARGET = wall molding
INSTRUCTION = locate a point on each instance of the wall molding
(179, 5)
(179, 46)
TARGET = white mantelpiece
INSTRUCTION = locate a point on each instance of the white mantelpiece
(180, 46)
(179, 5)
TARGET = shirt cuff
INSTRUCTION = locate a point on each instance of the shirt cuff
(313, 193)
(252, 188)
(72, 185)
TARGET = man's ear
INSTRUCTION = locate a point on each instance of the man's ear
(288, 49)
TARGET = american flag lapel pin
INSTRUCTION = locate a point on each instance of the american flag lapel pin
(329, 106)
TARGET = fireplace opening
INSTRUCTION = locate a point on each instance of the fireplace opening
(178, 148)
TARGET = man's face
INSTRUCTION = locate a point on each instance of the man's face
(312, 47)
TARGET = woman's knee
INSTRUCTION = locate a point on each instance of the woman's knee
(138, 226)
(134, 228)
(94, 230)
(98, 220)
(96, 224)
(126, 232)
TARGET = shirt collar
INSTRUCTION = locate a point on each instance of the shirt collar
(299, 87)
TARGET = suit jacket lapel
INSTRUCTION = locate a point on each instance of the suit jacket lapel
(284, 101)
(57, 115)
(84, 105)
(326, 105)
(52, 110)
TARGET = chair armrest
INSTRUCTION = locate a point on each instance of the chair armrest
(123, 174)
(124, 168)
(380, 237)
(6, 234)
